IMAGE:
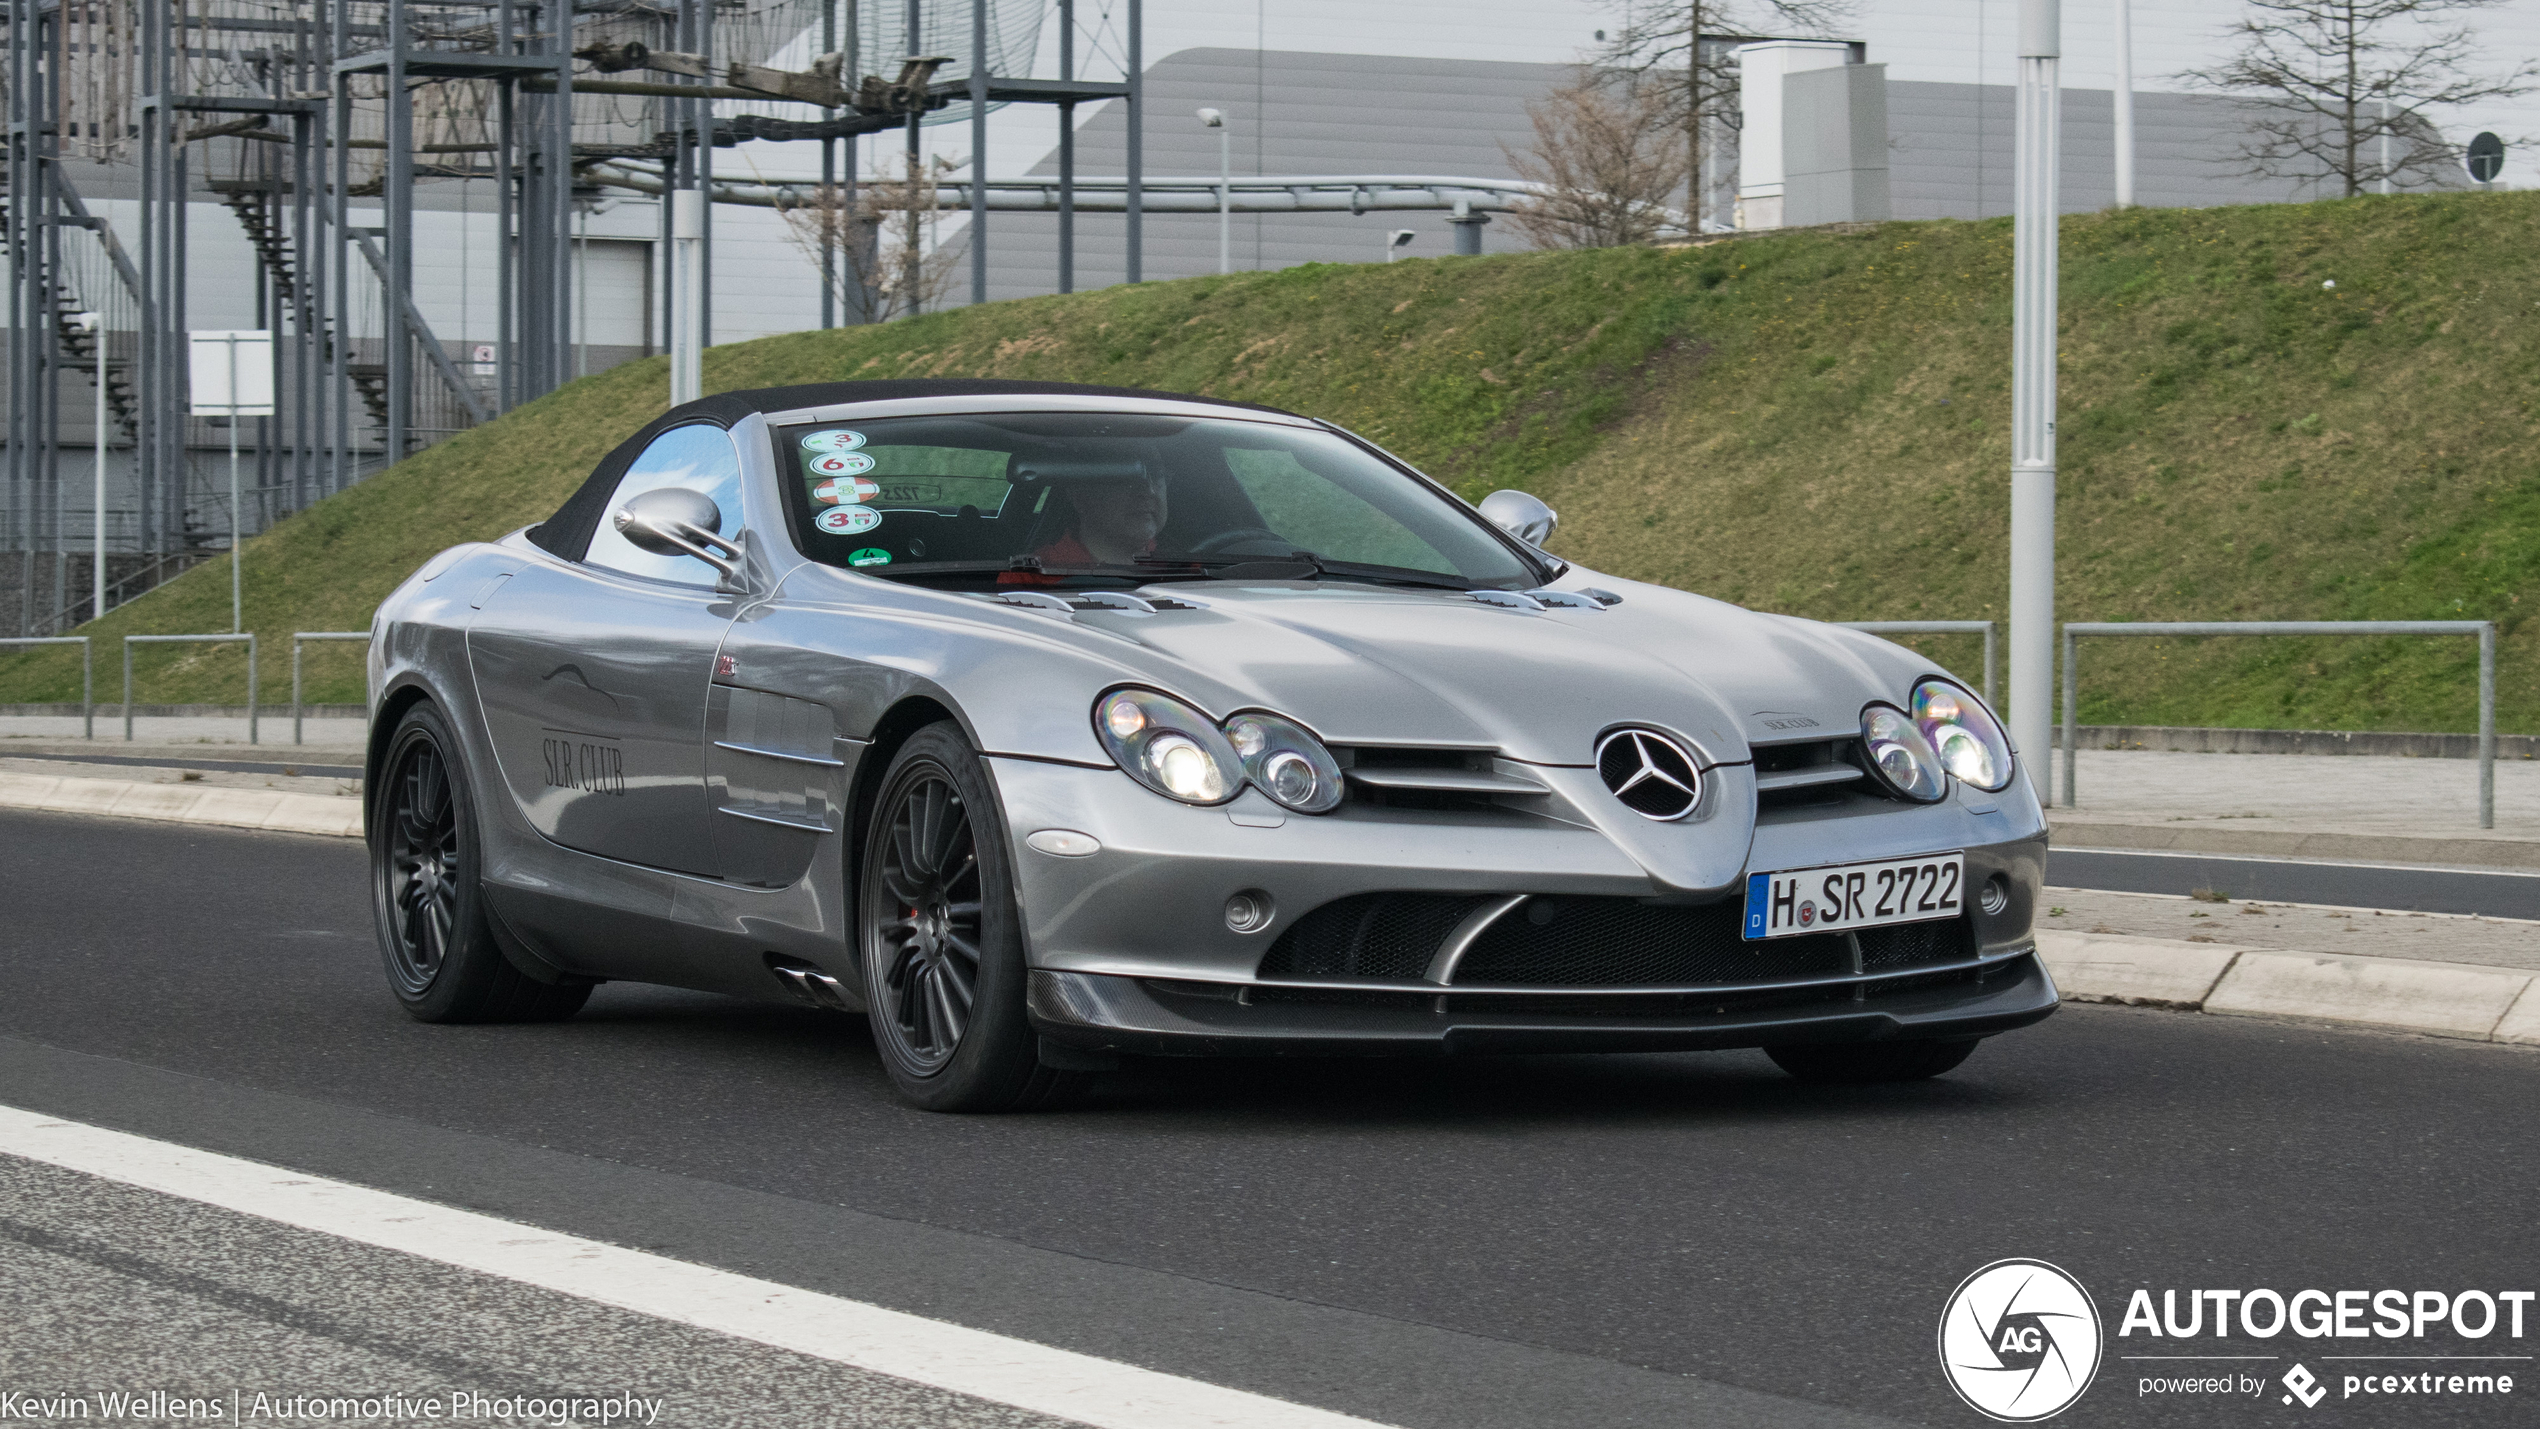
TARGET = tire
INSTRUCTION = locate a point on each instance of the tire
(426, 889)
(1856, 1063)
(941, 938)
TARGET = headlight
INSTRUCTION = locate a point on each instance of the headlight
(1286, 763)
(1900, 756)
(1168, 746)
(1964, 733)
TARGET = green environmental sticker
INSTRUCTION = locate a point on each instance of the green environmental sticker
(869, 556)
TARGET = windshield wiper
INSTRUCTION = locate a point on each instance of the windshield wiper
(1305, 565)
(1024, 565)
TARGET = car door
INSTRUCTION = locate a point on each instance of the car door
(594, 675)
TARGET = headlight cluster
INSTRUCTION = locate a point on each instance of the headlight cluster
(1183, 754)
(1970, 741)
(1949, 734)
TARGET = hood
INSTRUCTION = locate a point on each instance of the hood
(1373, 665)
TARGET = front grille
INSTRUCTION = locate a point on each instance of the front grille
(1371, 935)
(1616, 942)
(1587, 942)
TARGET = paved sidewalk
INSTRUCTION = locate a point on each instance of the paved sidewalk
(2366, 932)
(2296, 805)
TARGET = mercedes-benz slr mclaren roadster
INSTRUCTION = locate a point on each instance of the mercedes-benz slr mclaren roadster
(1044, 724)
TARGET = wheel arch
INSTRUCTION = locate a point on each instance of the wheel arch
(407, 692)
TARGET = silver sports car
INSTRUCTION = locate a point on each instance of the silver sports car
(1043, 724)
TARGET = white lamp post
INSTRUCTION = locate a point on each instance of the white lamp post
(1216, 119)
(2125, 103)
(2035, 210)
(1396, 241)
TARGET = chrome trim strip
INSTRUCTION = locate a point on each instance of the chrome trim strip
(1446, 781)
(809, 826)
(1458, 943)
(1807, 778)
(1685, 990)
(821, 760)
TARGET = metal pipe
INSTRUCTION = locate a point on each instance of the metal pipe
(2485, 630)
(2036, 212)
(87, 683)
(299, 638)
(2486, 724)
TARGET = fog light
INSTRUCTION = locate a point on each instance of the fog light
(1248, 911)
(1995, 896)
(1063, 843)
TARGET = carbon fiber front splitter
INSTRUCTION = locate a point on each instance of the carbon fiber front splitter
(1158, 1017)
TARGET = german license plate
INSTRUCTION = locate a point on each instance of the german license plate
(1847, 897)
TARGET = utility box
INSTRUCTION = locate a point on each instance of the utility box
(1812, 141)
(1834, 146)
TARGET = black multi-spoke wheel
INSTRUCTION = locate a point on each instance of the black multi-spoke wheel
(927, 944)
(942, 938)
(434, 932)
(422, 833)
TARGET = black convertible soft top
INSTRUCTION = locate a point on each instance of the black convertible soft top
(568, 532)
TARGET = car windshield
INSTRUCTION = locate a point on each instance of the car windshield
(1068, 498)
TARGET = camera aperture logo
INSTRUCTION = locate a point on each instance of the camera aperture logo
(2019, 1341)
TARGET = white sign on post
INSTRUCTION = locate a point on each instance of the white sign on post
(232, 376)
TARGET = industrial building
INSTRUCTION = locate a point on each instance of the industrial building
(426, 263)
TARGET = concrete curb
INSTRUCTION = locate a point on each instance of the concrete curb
(2075, 830)
(2482, 1004)
(270, 810)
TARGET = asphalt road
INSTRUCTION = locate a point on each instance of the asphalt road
(2494, 893)
(1482, 1244)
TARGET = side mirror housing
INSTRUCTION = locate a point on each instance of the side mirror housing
(674, 521)
(1520, 515)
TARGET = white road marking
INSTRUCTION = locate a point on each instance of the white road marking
(965, 1361)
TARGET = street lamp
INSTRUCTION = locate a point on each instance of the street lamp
(1216, 119)
(1396, 241)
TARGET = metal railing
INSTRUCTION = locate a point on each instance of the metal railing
(131, 640)
(2483, 629)
(299, 638)
(1991, 635)
(87, 684)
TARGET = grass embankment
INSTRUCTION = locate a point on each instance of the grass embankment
(1808, 422)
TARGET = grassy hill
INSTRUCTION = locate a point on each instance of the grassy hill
(1812, 422)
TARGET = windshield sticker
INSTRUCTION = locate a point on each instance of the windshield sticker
(870, 556)
(845, 491)
(848, 520)
(833, 441)
(840, 464)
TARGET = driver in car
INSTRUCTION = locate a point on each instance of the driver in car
(1114, 520)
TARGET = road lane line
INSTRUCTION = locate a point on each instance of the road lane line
(951, 1357)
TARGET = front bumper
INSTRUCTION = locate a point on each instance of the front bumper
(1170, 1017)
(1396, 932)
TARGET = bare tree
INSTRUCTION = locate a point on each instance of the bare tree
(1606, 151)
(1684, 53)
(883, 239)
(2342, 87)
